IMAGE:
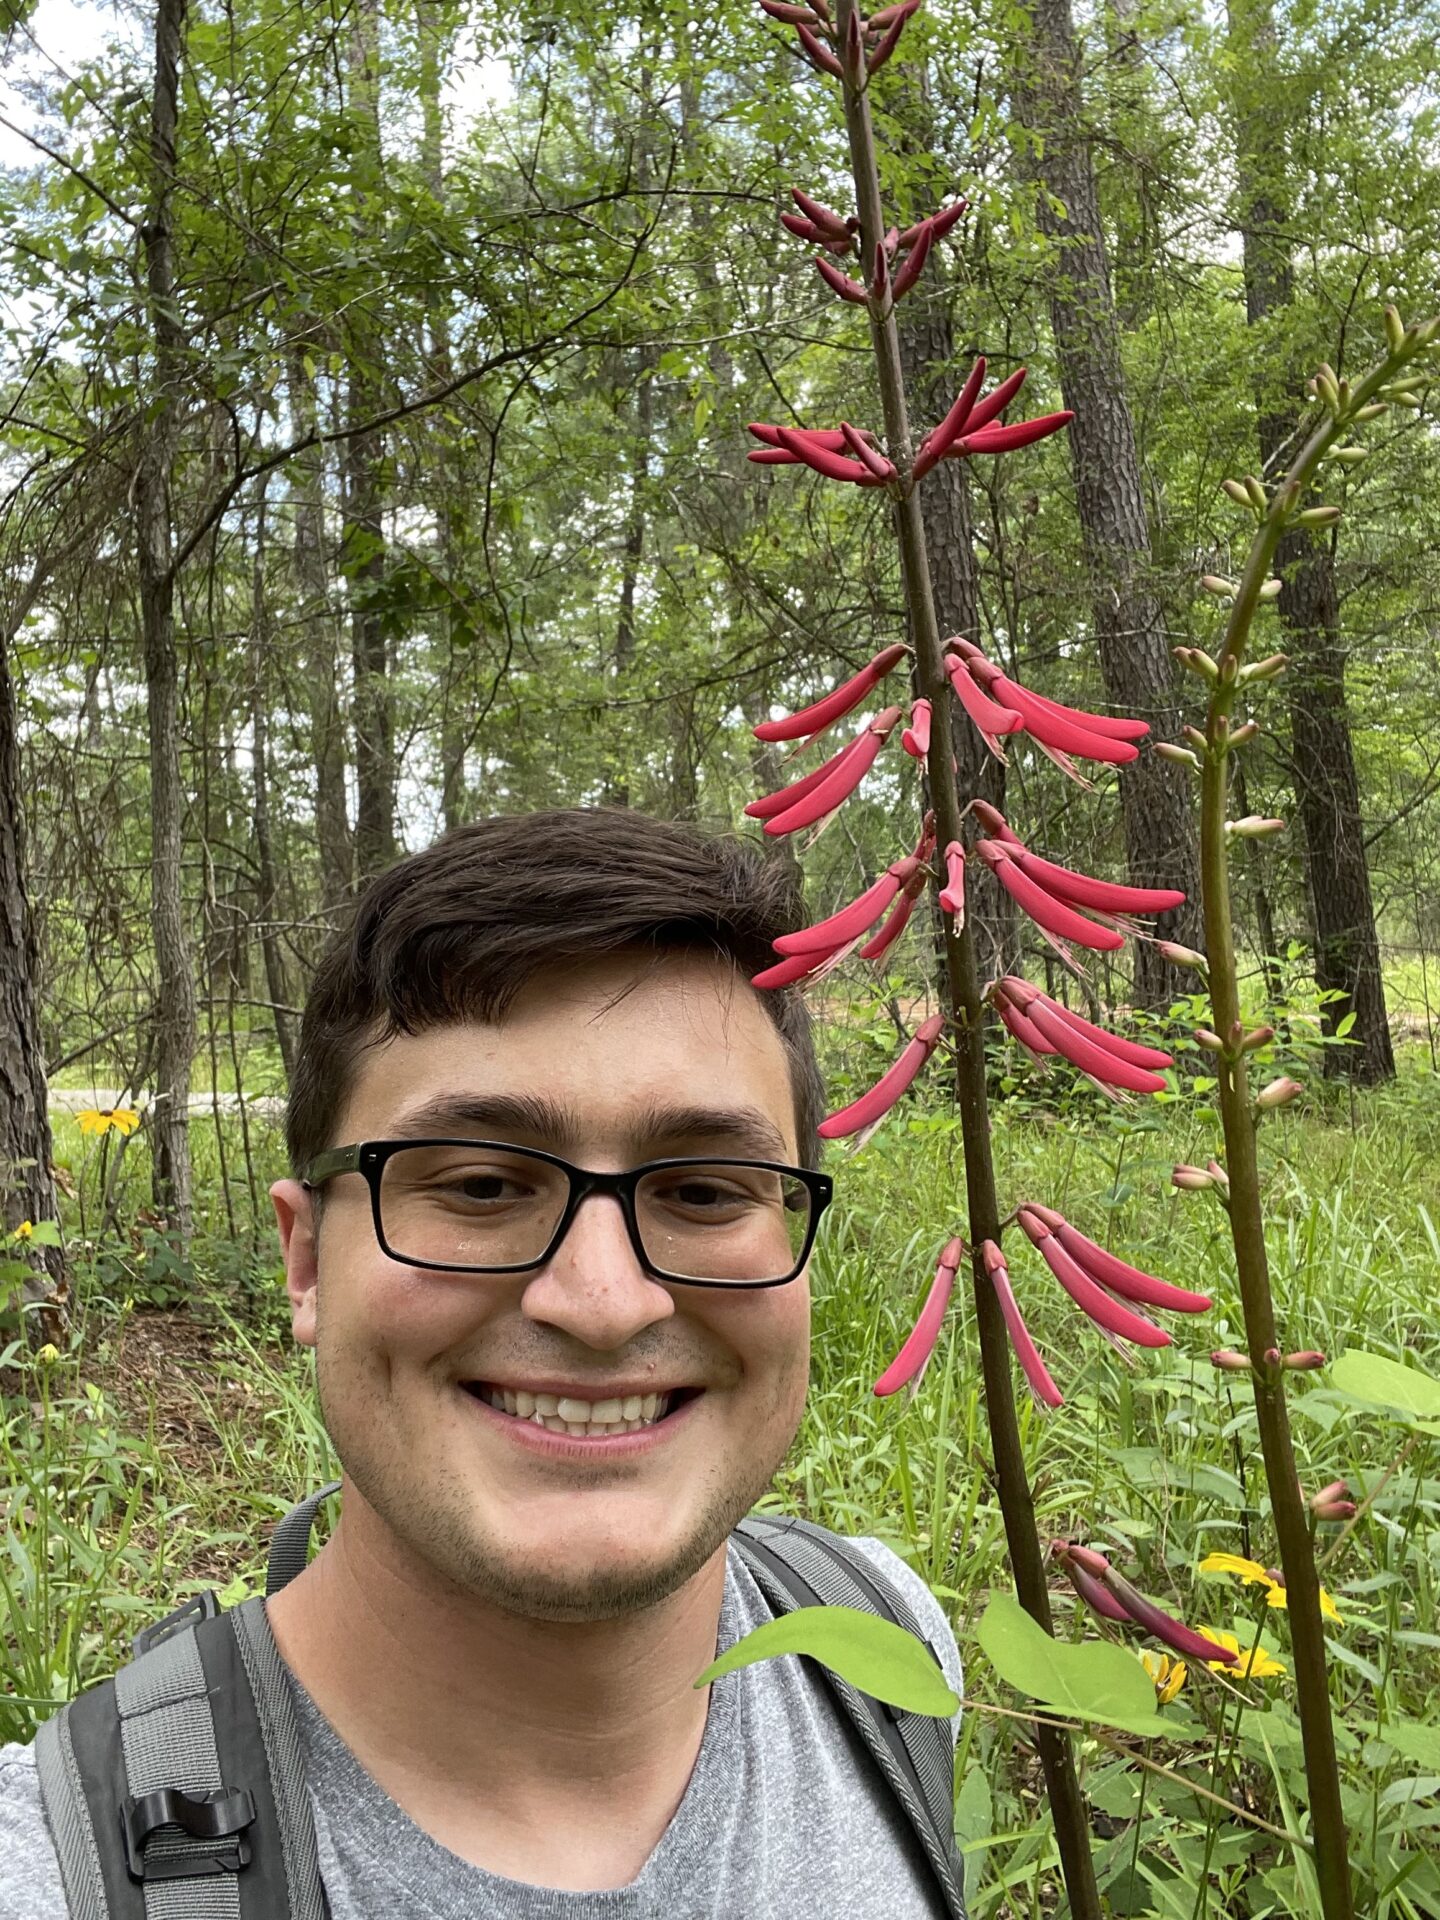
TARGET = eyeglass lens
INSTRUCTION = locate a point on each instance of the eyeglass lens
(483, 1206)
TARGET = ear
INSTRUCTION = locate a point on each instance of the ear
(295, 1217)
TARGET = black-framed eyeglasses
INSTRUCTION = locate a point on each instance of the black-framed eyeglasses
(488, 1206)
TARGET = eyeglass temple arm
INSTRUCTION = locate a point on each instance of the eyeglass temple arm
(326, 1165)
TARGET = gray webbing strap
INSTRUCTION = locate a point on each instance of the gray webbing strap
(290, 1542)
(280, 1731)
(81, 1874)
(798, 1564)
(168, 1733)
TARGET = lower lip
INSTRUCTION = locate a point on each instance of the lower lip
(571, 1446)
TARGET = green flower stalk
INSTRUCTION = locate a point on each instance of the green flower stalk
(1341, 406)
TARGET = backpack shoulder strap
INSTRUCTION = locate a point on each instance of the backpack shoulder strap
(176, 1791)
(798, 1564)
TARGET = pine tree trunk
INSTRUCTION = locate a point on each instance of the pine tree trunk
(27, 1190)
(1342, 912)
(175, 1024)
(1135, 662)
(306, 474)
(268, 889)
(375, 846)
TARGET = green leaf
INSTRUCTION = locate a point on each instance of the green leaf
(1092, 1681)
(1385, 1383)
(1416, 1741)
(874, 1655)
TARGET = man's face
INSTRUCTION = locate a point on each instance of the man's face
(620, 1060)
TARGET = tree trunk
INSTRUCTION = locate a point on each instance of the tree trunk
(317, 619)
(1342, 912)
(364, 498)
(1135, 662)
(27, 1190)
(175, 989)
(268, 889)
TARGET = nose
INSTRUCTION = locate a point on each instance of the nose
(594, 1287)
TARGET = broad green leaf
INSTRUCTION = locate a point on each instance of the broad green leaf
(874, 1655)
(1092, 1681)
(1415, 1740)
(1385, 1383)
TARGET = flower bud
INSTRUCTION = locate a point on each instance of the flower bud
(1271, 1357)
(1306, 1362)
(1270, 590)
(1317, 516)
(1211, 1042)
(1196, 739)
(1370, 412)
(1182, 956)
(1256, 1038)
(1229, 1361)
(1191, 1180)
(1196, 661)
(1269, 668)
(47, 1355)
(1394, 329)
(1259, 499)
(1254, 827)
(1182, 756)
(1223, 589)
(1279, 1093)
(1407, 399)
(1348, 456)
(1229, 667)
(1324, 1510)
(1218, 1174)
(1245, 732)
(1237, 492)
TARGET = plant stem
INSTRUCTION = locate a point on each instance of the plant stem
(1247, 1226)
(1017, 1505)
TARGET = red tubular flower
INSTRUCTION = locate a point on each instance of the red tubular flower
(1053, 915)
(826, 935)
(840, 780)
(995, 823)
(813, 720)
(1117, 1274)
(916, 737)
(1092, 1300)
(892, 35)
(820, 57)
(910, 1363)
(935, 442)
(942, 221)
(909, 893)
(1103, 896)
(990, 719)
(1113, 725)
(1024, 433)
(834, 466)
(875, 1104)
(789, 971)
(840, 283)
(823, 217)
(880, 279)
(784, 798)
(1051, 725)
(792, 16)
(952, 894)
(914, 260)
(1101, 1062)
(1123, 1049)
(830, 437)
(1037, 1377)
(995, 403)
(1086, 1584)
(879, 466)
(1018, 1024)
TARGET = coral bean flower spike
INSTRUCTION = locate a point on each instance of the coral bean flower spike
(909, 1364)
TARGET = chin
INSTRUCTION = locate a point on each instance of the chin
(576, 1580)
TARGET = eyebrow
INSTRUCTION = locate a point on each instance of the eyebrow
(746, 1129)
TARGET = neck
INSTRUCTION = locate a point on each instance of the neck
(451, 1704)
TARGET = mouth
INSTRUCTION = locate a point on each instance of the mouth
(582, 1419)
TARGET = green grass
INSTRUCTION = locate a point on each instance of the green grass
(109, 1522)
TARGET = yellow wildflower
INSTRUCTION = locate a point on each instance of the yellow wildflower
(1168, 1675)
(1254, 1574)
(25, 1231)
(1255, 1663)
(47, 1355)
(121, 1120)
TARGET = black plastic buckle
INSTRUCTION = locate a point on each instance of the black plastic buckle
(211, 1816)
(203, 1606)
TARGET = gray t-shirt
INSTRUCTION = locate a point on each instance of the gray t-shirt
(785, 1818)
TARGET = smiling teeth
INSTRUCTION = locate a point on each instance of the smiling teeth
(559, 1414)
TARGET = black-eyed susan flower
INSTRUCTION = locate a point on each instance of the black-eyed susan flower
(1169, 1675)
(102, 1120)
(1254, 1664)
(1253, 1574)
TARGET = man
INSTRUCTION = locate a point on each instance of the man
(553, 1400)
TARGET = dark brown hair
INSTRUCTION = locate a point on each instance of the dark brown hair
(453, 933)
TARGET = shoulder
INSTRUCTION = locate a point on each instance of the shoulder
(30, 1886)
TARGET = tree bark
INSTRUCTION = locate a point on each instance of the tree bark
(27, 1189)
(1135, 662)
(333, 839)
(375, 846)
(268, 888)
(1342, 911)
(175, 1025)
